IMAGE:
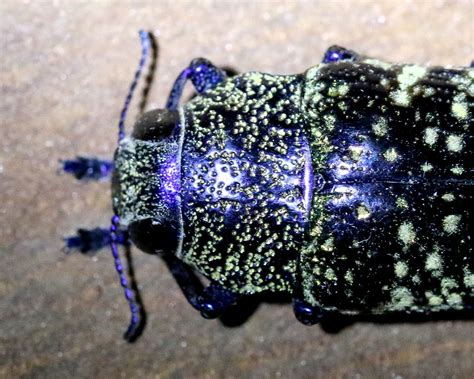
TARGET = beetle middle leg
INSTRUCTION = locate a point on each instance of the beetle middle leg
(202, 73)
(306, 313)
(211, 301)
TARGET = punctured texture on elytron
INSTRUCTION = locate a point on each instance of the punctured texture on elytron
(395, 233)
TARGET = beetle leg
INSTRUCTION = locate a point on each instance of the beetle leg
(83, 168)
(337, 53)
(202, 73)
(189, 283)
(215, 300)
(89, 241)
(211, 301)
(305, 313)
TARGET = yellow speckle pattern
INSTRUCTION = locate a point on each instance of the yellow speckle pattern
(460, 110)
(405, 132)
(378, 232)
(401, 203)
(407, 79)
(246, 167)
(363, 212)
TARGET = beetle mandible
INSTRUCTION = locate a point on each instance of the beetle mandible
(349, 187)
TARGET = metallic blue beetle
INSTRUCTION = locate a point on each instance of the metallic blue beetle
(349, 187)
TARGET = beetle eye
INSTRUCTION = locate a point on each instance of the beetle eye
(155, 125)
(154, 238)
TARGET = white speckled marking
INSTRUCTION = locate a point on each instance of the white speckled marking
(402, 298)
(401, 269)
(433, 261)
(426, 167)
(460, 110)
(448, 197)
(451, 224)
(406, 233)
(454, 143)
(390, 155)
(380, 127)
(363, 212)
(431, 136)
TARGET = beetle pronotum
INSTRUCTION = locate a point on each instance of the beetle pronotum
(349, 187)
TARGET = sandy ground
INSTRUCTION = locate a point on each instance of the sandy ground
(65, 68)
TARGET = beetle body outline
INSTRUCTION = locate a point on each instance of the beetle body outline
(271, 183)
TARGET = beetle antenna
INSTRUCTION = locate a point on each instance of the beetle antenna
(145, 43)
(134, 308)
(149, 78)
(134, 326)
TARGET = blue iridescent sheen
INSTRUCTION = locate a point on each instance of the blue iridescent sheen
(305, 313)
(327, 186)
(202, 73)
(337, 53)
(89, 241)
(215, 299)
(83, 168)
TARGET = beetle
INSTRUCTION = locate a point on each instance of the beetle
(349, 187)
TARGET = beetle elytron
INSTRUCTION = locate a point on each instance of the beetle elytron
(349, 186)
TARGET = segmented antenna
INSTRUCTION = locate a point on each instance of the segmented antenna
(134, 309)
(145, 42)
(131, 333)
(149, 78)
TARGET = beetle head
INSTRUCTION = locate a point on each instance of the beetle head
(146, 182)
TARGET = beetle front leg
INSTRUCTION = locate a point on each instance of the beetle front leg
(202, 73)
(88, 168)
(211, 301)
(90, 241)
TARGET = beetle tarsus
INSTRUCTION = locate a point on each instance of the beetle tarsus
(89, 241)
(211, 301)
(189, 283)
(202, 73)
(83, 168)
